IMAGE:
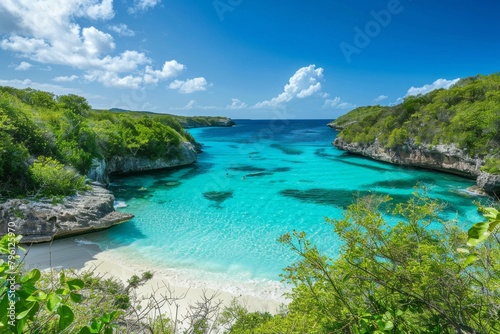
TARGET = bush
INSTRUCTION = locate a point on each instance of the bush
(51, 178)
(491, 165)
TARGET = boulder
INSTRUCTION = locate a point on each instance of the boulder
(42, 221)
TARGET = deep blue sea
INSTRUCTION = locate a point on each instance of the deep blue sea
(216, 223)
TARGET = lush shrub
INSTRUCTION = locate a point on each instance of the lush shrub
(467, 115)
(491, 165)
(52, 178)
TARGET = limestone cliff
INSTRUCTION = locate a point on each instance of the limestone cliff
(42, 221)
(445, 158)
(101, 169)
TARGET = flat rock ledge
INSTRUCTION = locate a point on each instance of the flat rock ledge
(43, 221)
(444, 158)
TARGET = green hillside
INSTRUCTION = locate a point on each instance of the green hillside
(467, 115)
(47, 142)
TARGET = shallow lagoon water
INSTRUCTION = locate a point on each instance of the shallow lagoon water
(216, 223)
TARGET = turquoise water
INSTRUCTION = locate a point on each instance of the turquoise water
(217, 222)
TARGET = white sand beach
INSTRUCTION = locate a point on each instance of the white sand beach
(71, 253)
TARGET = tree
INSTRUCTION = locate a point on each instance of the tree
(402, 276)
(74, 103)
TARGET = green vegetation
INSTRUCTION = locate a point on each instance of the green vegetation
(412, 273)
(45, 139)
(467, 114)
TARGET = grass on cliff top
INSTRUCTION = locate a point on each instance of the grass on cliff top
(466, 115)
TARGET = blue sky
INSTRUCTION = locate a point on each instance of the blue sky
(242, 58)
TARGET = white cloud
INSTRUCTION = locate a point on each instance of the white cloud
(192, 104)
(122, 30)
(47, 32)
(380, 98)
(439, 83)
(24, 66)
(142, 5)
(337, 103)
(170, 70)
(236, 104)
(304, 83)
(189, 86)
(66, 79)
(97, 42)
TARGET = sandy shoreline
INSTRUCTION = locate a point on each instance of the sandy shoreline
(70, 253)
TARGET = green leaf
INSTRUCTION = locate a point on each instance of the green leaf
(108, 330)
(470, 259)
(463, 250)
(76, 297)
(37, 296)
(388, 326)
(66, 317)
(478, 233)
(29, 313)
(53, 302)
(31, 277)
(75, 284)
(492, 214)
(105, 318)
(85, 330)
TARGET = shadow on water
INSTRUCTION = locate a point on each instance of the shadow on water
(348, 161)
(166, 184)
(128, 192)
(321, 152)
(287, 149)
(218, 197)
(281, 169)
(246, 168)
(401, 183)
(338, 197)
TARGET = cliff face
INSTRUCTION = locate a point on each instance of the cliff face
(446, 158)
(200, 122)
(121, 165)
(43, 221)
(101, 169)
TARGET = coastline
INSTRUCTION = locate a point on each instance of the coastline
(73, 253)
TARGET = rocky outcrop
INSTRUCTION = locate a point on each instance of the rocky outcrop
(338, 127)
(101, 170)
(42, 221)
(489, 182)
(129, 164)
(445, 158)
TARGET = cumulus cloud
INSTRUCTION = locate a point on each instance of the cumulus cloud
(337, 103)
(142, 5)
(24, 66)
(47, 32)
(66, 78)
(170, 70)
(189, 86)
(122, 30)
(192, 104)
(380, 98)
(236, 104)
(304, 83)
(439, 83)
